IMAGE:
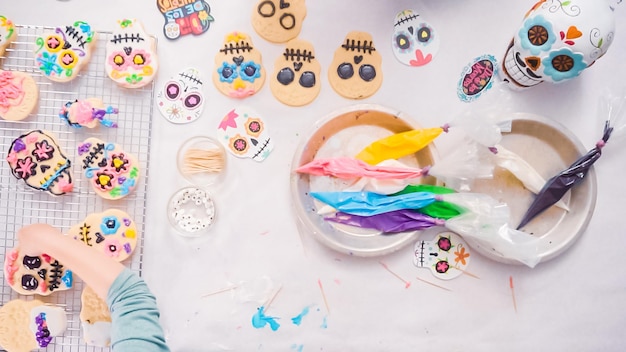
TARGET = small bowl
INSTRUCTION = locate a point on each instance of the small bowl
(191, 211)
(194, 173)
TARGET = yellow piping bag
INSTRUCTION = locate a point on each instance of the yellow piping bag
(399, 145)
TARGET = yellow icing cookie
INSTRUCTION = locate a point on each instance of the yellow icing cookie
(238, 71)
(278, 21)
(19, 95)
(296, 78)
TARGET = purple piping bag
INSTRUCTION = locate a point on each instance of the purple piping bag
(391, 222)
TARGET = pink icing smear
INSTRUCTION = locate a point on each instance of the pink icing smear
(11, 91)
(9, 266)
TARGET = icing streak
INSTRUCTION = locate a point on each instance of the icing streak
(11, 91)
(10, 268)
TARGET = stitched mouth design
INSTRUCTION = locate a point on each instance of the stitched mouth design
(242, 46)
(192, 78)
(133, 38)
(298, 55)
(72, 32)
(265, 144)
(358, 46)
(406, 19)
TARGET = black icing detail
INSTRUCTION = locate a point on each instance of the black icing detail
(31, 262)
(42, 273)
(250, 70)
(406, 19)
(238, 60)
(307, 80)
(402, 41)
(358, 59)
(411, 29)
(283, 20)
(284, 4)
(266, 15)
(103, 163)
(99, 237)
(298, 55)
(297, 66)
(89, 159)
(72, 32)
(128, 50)
(190, 77)
(190, 103)
(133, 38)
(285, 76)
(367, 73)
(44, 168)
(168, 90)
(345, 70)
(242, 46)
(55, 276)
(420, 37)
(84, 234)
(29, 282)
(227, 72)
(358, 46)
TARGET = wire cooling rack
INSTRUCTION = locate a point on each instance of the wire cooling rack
(21, 205)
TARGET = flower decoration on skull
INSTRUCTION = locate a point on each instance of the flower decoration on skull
(245, 134)
(414, 41)
(131, 58)
(296, 74)
(443, 256)
(557, 41)
(278, 21)
(181, 99)
(238, 69)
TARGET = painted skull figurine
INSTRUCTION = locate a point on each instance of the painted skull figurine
(41, 275)
(181, 99)
(244, 133)
(557, 41)
(442, 255)
(131, 58)
(414, 41)
(356, 70)
(296, 79)
(278, 21)
(238, 70)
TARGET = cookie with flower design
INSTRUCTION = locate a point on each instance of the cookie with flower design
(8, 33)
(37, 159)
(111, 232)
(112, 172)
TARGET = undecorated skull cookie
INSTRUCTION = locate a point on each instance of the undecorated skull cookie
(37, 159)
(95, 319)
(557, 41)
(131, 58)
(446, 256)
(356, 70)
(61, 53)
(296, 78)
(111, 232)
(238, 71)
(29, 325)
(87, 113)
(19, 95)
(244, 133)
(8, 33)
(415, 43)
(40, 274)
(181, 99)
(278, 21)
(112, 172)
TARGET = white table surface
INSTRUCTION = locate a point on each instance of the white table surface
(575, 302)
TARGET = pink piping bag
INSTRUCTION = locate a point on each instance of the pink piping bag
(347, 168)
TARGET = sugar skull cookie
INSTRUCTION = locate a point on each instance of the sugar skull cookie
(112, 172)
(356, 69)
(244, 133)
(8, 33)
(414, 41)
(95, 319)
(61, 53)
(37, 159)
(41, 275)
(30, 325)
(447, 256)
(181, 99)
(111, 232)
(19, 95)
(87, 113)
(238, 69)
(278, 21)
(131, 58)
(296, 78)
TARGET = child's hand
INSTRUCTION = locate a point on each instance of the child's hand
(31, 237)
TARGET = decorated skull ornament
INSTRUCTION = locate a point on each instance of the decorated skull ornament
(278, 21)
(244, 133)
(36, 274)
(557, 41)
(238, 69)
(446, 256)
(414, 41)
(181, 99)
(296, 79)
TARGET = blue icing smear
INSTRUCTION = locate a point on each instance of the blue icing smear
(324, 324)
(298, 348)
(297, 320)
(67, 278)
(260, 320)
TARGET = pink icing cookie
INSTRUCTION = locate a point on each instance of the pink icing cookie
(131, 58)
(18, 95)
(40, 274)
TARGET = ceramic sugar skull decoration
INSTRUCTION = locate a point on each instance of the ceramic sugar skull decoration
(446, 256)
(278, 21)
(414, 41)
(37, 274)
(356, 69)
(61, 53)
(244, 133)
(181, 99)
(557, 41)
(7, 33)
(131, 58)
(238, 71)
(296, 78)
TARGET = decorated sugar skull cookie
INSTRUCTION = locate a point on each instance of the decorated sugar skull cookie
(414, 41)
(87, 113)
(185, 17)
(238, 69)
(37, 159)
(111, 232)
(30, 275)
(356, 69)
(30, 325)
(446, 256)
(8, 33)
(112, 172)
(244, 133)
(61, 53)
(557, 41)
(296, 78)
(18, 95)
(278, 21)
(181, 99)
(95, 319)
(131, 58)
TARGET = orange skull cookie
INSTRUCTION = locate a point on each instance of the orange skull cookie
(278, 21)
(296, 78)
(238, 70)
(36, 274)
(18, 95)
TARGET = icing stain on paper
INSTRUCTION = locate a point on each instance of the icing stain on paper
(477, 78)
(183, 17)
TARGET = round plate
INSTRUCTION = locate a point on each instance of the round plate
(191, 211)
(345, 133)
(549, 147)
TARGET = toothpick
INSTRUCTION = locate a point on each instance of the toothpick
(266, 306)
(466, 272)
(226, 289)
(319, 283)
(433, 284)
(407, 284)
(513, 293)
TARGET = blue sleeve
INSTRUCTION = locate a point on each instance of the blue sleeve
(134, 316)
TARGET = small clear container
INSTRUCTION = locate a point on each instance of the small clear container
(191, 211)
(202, 161)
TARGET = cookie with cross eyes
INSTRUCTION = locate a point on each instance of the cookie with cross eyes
(29, 325)
(61, 53)
(35, 274)
(278, 21)
(181, 99)
(19, 95)
(8, 33)
(37, 159)
(112, 172)
(356, 69)
(296, 78)
(238, 71)
(131, 58)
